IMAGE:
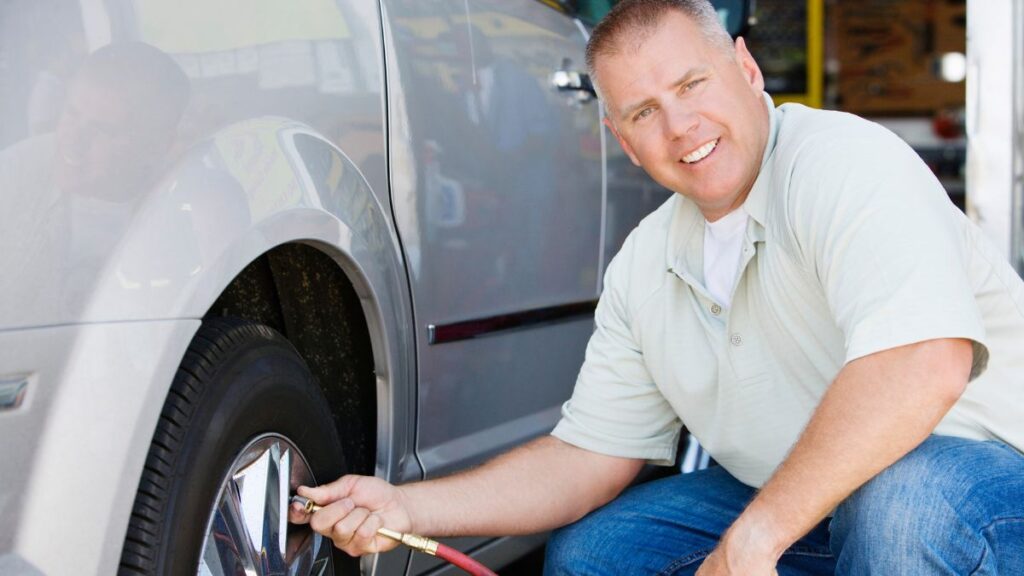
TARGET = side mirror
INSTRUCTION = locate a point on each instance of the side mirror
(736, 15)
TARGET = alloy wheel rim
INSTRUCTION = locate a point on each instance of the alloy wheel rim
(248, 531)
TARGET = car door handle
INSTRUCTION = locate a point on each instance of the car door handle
(572, 81)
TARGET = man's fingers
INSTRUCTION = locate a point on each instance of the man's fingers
(297, 514)
(324, 519)
(348, 515)
(343, 531)
(366, 540)
(327, 493)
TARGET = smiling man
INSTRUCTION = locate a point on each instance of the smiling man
(691, 113)
(809, 304)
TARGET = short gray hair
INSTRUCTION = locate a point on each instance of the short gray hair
(638, 19)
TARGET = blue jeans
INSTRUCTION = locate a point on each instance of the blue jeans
(951, 506)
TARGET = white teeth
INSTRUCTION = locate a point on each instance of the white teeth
(700, 153)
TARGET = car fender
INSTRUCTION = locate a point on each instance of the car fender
(228, 200)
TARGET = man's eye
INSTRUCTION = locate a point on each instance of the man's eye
(643, 113)
(692, 85)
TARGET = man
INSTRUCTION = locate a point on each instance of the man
(69, 195)
(809, 304)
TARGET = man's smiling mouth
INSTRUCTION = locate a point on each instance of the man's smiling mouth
(700, 153)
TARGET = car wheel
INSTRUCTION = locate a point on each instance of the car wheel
(244, 424)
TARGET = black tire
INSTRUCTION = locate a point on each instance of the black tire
(238, 380)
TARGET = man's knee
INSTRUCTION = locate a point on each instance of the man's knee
(577, 549)
(651, 527)
(924, 510)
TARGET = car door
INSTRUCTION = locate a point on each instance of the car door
(497, 195)
(629, 193)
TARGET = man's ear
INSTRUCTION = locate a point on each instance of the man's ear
(751, 71)
(622, 141)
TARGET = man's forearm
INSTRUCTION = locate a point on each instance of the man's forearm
(879, 408)
(542, 485)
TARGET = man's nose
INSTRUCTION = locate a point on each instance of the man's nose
(679, 121)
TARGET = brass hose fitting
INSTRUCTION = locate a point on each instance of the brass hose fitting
(416, 542)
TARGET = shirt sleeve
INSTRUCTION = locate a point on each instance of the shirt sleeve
(885, 242)
(616, 409)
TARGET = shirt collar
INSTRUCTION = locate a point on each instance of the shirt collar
(756, 203)
(688, 220)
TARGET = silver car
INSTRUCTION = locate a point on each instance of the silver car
(248, 245)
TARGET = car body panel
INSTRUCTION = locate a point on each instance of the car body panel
(224, 170)
(489, 232)
(256, 162)
(74, 450)
(496, 185)
(136, 187)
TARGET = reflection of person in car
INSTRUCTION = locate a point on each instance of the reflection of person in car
(116, 127)
(809, 304)
(71, 193)
(514, 129)
(119, 120)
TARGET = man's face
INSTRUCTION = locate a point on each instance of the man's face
(106, 143)
(689, 113)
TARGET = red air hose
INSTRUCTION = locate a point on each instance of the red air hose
(425, 545)
(456, 558)
(435, 548)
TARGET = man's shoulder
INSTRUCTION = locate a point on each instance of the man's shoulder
(811, 134)
(638, 267)
(647, 242)
(656, 224)
(35, 150)
(26, 173)
(831, 156)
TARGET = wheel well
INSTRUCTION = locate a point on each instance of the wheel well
(303, 294)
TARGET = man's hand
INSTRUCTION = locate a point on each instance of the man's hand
(716, 564)
(535, 487)
(354, 507)
(740, 553)
(879, 408)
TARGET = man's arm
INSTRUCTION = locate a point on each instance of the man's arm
(879, 408)
(539, 486)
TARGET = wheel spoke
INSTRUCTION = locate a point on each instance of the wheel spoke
(227, 550)
(307, 553)
(251, 482)
(258, 484)
(249, 531)
(310, 553)
(275, 524)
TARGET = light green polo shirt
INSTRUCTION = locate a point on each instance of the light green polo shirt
(852, 247)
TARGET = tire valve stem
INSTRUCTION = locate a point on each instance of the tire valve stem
(419, 543)
(307, 505)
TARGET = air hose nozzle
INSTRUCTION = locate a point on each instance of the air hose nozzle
(416, 542)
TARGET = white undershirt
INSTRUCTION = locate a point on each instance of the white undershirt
(723, 242)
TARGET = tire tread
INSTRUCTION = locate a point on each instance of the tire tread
(216, 339)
